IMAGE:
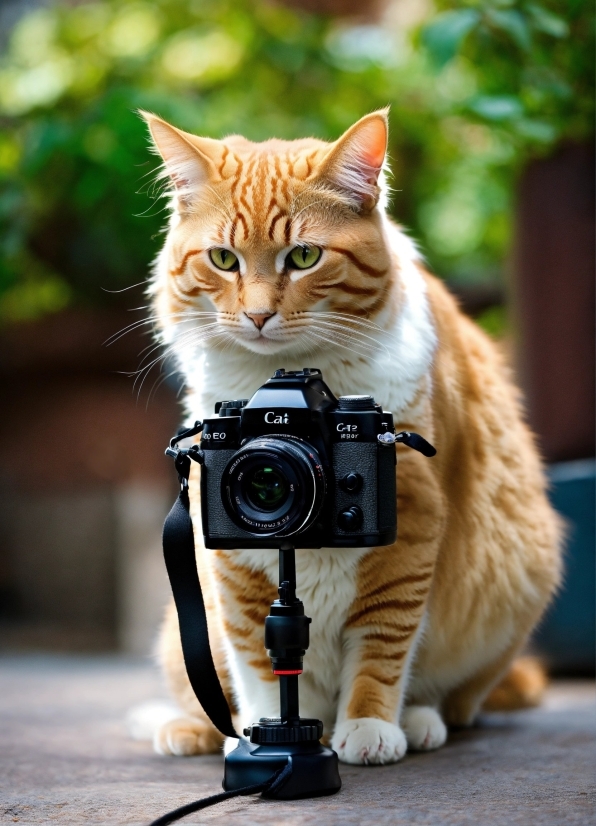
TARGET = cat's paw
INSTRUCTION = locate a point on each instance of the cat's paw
(423, 728)
(184, 736)
(368, 740)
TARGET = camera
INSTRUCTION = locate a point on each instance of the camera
(292, 466)
(295, 462)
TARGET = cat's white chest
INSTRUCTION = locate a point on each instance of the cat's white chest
(327, 585)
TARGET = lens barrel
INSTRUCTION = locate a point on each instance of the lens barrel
(274, 486)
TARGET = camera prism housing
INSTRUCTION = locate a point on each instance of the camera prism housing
(296, 462)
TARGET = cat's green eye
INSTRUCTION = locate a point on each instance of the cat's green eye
(302, 258)
(223, 259)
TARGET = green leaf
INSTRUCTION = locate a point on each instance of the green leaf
(512, 23)
(444, 35)
(547, 22)
(496, 107)
(494, 321)
(536, 130)
(33, 297)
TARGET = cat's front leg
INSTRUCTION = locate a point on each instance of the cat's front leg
(384, 624)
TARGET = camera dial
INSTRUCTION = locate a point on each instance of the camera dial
(356, 403)
(232, 407)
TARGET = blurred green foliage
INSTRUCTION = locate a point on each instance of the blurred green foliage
(475, 90)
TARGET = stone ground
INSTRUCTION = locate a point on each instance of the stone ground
(66, 758)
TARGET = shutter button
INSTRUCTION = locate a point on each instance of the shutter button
(350, 519)
(351, 482)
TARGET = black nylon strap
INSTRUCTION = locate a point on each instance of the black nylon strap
(179, 555)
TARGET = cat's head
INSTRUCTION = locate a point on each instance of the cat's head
(275, 246)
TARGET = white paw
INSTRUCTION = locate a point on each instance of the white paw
(368, 740)
(230, 744)
(144, 720)
(423, 727)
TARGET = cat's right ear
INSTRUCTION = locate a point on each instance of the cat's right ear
(355, 162)
(189, 161)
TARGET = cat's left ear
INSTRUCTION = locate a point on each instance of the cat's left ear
(355, 161)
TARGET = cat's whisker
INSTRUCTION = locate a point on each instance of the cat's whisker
(346, 345)
(367, 343)
(136, 325)
(341, 329)
(362, 336)
(184, 340)
(151, 320)
(349, 318)
(157, 384)
(180, 340)
(124, 289)
(186, 333)
(168, 352)
(338, 343)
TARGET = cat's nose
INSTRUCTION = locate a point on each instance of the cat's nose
(259, 319)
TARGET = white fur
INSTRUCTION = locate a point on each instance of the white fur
(144, 720)
(369, 741)
(423, 728)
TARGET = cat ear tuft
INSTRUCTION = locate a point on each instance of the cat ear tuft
(187, 158)
(355, 161)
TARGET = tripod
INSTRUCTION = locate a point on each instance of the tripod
(289, 738)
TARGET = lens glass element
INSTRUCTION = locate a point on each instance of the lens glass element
(266, 488)
(273, 486)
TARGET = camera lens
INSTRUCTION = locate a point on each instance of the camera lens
(266, 488)
(273, 486)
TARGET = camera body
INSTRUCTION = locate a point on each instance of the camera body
(295, 462)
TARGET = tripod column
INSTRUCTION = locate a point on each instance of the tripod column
(287, 568)
(286, 635)
(288, 698)
(274, 740)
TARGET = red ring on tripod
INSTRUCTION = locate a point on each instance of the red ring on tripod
(287, 673)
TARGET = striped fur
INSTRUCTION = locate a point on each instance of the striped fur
(404, 636)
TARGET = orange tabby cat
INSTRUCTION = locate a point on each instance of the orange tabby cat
(281, 253)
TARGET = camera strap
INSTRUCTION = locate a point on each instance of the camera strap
(179, 555)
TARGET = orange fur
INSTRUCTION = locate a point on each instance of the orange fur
(522, 687)
(430, 624)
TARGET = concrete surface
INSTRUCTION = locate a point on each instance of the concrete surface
(66, 758)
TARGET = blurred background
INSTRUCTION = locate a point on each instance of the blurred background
(491, 147)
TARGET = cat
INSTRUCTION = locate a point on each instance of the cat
(280, 254)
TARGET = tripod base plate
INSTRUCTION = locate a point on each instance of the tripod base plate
(314, 768)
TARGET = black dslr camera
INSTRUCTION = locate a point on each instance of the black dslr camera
(291, 466)
(294, 461)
